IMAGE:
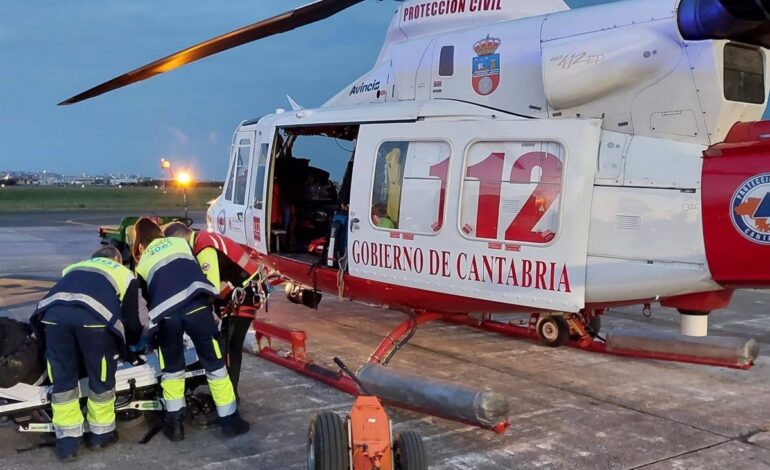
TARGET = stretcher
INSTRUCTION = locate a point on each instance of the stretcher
(137, 389)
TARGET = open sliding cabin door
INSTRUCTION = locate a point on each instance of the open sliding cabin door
(257, 219)
(489, 209)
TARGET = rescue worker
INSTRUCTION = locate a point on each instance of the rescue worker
(89, 316)
(179, 300)
(227, 266)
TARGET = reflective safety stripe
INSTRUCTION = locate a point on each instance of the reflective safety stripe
(75, 430)
(48, 322)
(94, 269)
(104, 369)
(158, 251)
(119, 326)
(222, 392)
(164, 262)
(160, 359)
(83, 298)
(180, 297)
(94, 304)
(67, 417)
(96, 428)
(94, 326)
(65, 397)
(50, 374)
(205, 307)
(101, 412)
(173, 390)
(101, 397)
(118, 275)
(217, 351)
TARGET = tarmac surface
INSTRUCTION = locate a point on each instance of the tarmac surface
(569, 409)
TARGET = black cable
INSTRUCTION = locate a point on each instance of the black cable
(402, 343)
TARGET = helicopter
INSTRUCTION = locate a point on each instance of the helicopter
(510, 156)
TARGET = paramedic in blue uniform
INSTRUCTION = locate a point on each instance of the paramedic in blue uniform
(88, 317)
(180, 300)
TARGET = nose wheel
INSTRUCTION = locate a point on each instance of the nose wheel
(553, 331)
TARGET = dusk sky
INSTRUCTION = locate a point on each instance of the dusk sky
(53, 49)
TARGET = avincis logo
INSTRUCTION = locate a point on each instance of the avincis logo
(374, 85)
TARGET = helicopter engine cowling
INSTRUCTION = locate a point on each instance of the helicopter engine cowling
(738, 20)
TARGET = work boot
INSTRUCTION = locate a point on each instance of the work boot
(234, 425)
(67, 448)
(100, 441)
(173, 429)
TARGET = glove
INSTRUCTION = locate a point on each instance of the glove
(140, 347)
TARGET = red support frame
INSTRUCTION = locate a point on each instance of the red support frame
(585, 343)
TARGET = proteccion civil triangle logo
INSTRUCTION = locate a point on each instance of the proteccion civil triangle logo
(486, 66)
(750, 209)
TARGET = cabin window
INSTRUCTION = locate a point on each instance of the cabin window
(231, 179)
(446, 63)
(409, 189)
(511, 191)
(259, 182)
(241, 172)
(744, 74)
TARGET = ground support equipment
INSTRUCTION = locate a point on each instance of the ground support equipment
(267, 337)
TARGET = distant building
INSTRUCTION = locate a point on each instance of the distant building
(121, 181)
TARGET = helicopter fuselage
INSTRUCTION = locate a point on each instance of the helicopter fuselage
(545, 163)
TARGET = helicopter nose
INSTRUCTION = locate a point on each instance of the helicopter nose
(725, 19)
(736, 206)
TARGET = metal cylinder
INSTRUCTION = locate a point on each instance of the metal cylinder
(694, 324)
(726, 351)
(442, 398)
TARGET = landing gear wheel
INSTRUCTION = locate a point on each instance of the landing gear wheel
(327, 443)
(409, 452)
(553, 331)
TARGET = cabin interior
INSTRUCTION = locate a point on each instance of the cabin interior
(310, 195)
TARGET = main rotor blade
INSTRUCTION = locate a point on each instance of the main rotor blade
(281, 23)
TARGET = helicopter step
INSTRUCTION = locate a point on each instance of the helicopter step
(581, 331)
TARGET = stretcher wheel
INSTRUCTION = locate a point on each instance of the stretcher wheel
(553, 331)
(409, 452)
(327, 443)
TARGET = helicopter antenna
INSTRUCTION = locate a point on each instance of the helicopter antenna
(287, 21)
(294, 105)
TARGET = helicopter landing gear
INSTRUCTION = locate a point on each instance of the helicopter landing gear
(553, 331)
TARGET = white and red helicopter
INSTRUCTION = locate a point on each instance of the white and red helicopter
(516, 156)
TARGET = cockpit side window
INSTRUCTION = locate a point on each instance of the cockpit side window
(240, 172)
